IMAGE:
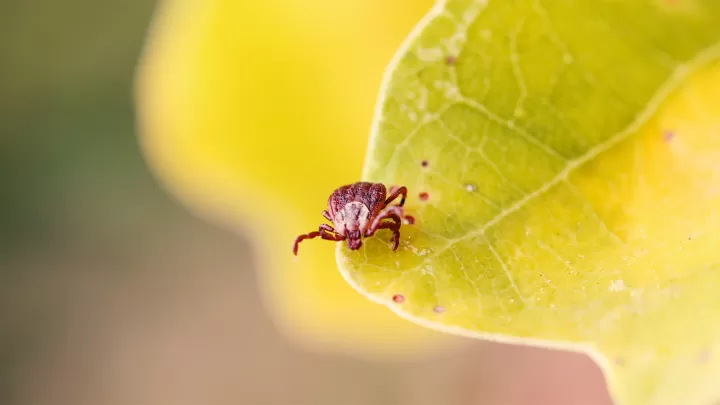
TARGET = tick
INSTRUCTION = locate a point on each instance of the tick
(357, 210)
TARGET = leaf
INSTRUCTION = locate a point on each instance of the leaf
(237, 102)
(572, 180)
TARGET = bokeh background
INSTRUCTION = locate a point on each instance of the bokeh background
(112, 292)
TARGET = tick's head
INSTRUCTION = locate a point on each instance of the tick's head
(353, 240)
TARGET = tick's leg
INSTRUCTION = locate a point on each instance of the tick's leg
(329, 236)
(394, 212)
(377, 224)
(384, 225)
(327, 232)
(323, 233)
(395, 238)
(301, 238)
(395, 228)
(327, 215)
(394, 193)
(391, 211)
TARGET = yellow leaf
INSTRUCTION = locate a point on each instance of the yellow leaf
(572, 180)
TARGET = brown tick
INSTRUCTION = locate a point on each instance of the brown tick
(357, 210)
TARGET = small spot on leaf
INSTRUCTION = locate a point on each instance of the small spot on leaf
(424, 163)
(668, 136)
(450, 60)
(398, 298)
(438, 309)
(470, 188)
(423, 196)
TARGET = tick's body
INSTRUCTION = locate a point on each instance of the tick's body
(356, 211)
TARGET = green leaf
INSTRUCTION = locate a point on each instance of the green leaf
(572, 180)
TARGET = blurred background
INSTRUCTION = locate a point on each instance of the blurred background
(113, 293)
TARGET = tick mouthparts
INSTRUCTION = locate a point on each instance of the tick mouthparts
(354, 244)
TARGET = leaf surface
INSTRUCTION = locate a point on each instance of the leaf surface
(570, 156)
